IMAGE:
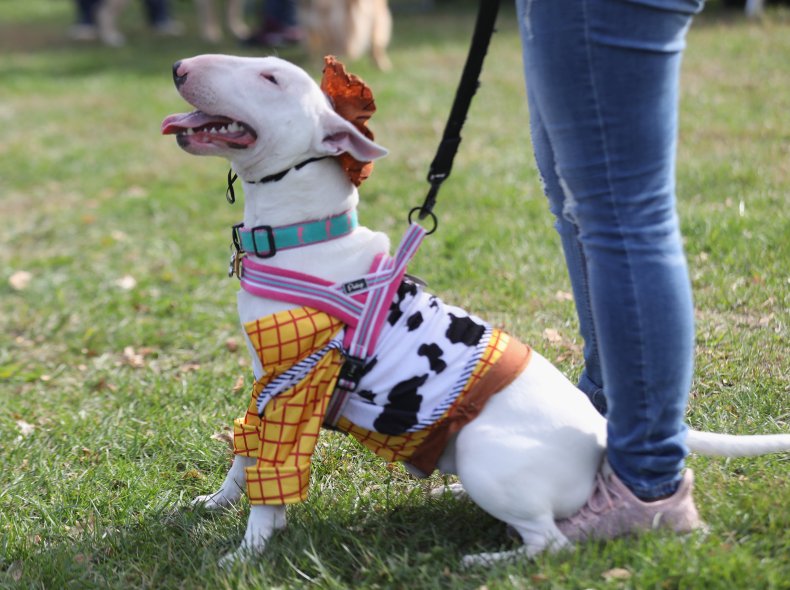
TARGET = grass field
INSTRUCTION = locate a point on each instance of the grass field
(121, 360)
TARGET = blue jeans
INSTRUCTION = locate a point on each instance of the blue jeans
(602, 85)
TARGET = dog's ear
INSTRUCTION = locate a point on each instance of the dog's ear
(339, 136)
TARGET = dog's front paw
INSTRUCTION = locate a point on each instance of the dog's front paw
(241, 555)
(216, 501)
(263, 522)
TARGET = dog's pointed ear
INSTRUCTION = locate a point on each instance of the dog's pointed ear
(339, 136)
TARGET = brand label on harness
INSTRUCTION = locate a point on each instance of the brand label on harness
(355, 286)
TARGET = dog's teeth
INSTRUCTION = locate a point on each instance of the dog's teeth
(223, 129)
(233, 127)
(190, 131)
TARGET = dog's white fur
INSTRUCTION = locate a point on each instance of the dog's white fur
(349, 28)
(533, 453)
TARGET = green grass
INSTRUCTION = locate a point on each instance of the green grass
(111, 395)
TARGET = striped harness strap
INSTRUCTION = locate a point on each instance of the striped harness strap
(362, 304)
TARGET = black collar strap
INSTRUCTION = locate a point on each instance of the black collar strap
(230, 194)
(280, 175)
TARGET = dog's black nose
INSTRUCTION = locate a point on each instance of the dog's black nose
(179, 79)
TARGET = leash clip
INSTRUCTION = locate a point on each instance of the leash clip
(234, 266)
(236, 253)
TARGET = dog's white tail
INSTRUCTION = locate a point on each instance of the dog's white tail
(731, 445)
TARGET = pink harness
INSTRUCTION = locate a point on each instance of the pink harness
(362, 304)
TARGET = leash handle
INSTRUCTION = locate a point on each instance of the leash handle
(443, 160)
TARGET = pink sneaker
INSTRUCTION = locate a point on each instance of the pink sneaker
(614, 511)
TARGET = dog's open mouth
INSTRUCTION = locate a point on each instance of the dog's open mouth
(197, 128)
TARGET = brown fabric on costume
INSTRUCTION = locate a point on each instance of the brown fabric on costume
(352, 99)
(514, 360)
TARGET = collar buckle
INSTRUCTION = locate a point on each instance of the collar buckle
(272, 247)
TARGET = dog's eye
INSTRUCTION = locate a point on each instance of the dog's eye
(271, 78)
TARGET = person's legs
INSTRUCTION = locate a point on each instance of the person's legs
(603, 88)
(156, 12)
(590, 381)
(279, 24)
(84, 27)
(281, 11)
(86, 12)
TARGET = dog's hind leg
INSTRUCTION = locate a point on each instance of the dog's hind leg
(539, 534)
(531, 456)
(231, 489)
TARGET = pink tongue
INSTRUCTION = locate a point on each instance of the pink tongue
(175, 123)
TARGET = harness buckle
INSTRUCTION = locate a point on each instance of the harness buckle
(351, 373)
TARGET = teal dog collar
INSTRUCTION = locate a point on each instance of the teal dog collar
(265, 241)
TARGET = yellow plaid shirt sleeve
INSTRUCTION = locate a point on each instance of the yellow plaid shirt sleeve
(283, 439)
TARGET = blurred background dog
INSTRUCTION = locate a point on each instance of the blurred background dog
(349, 28)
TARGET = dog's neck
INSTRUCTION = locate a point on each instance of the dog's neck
(316, 191)
(294, 197)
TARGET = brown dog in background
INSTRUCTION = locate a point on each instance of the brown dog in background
(349, 28)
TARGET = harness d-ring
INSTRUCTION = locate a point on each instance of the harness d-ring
(424, 214)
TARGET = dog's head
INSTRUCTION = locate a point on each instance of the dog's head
(262, 114)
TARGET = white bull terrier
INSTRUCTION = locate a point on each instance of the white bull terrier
(528, 452)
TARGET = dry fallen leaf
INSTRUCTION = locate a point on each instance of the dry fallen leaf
(25, 428)
(239, 385)
(132, 358)
(224, 437)
(563, 296)
(189, 367)
(20, 280)
(126, 282)
(617, 573)
(552, 336)
(136, 192)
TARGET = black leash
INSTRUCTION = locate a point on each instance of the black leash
(442, 163)
(448, 147)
